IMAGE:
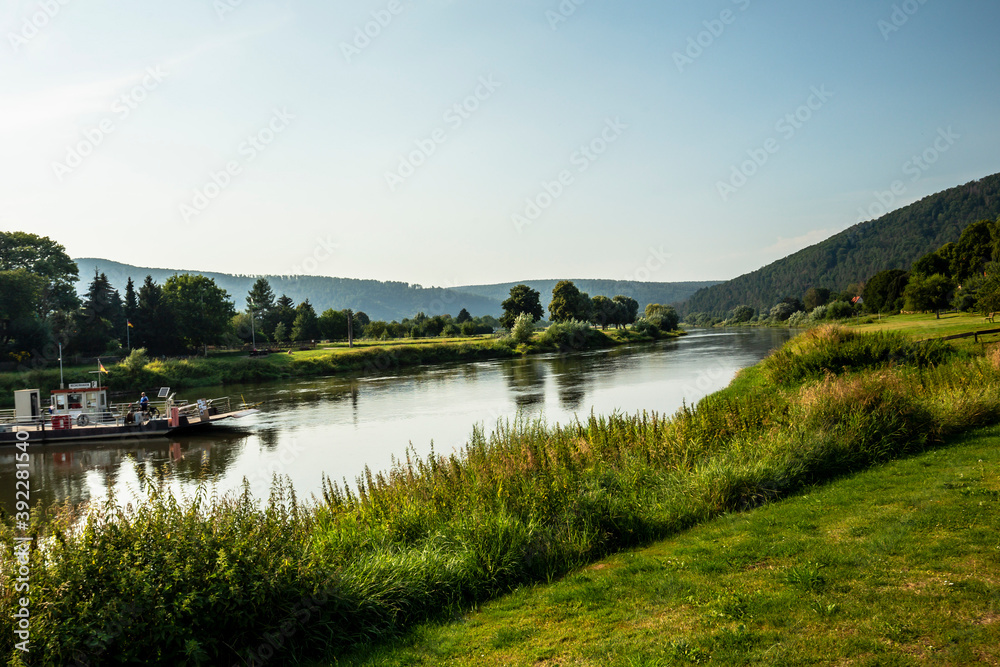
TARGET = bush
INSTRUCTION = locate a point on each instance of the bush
(524, 328)
(818, 314)
(565, 336)
(782, 311)
(839, 310)
(798, 319)
(646, 328)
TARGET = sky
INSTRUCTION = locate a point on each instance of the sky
(452, 142)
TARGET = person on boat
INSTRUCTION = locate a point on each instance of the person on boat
(144, 403)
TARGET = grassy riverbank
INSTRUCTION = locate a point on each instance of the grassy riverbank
(219, 369)
(221, 580)
(893, 566)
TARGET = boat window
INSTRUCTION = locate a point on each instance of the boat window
(75, 401)
(60, 401)
(102, 399)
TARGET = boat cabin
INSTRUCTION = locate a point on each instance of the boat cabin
(83, 398)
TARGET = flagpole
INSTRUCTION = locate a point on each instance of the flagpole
(128, 336)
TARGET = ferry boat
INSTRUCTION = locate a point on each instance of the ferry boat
(83, 412)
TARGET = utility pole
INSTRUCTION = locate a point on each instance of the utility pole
(350, 328)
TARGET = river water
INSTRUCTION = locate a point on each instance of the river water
(338, 425)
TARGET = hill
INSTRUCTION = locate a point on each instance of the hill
(384, 300)
(892, 241)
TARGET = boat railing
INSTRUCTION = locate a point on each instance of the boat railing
(58, 421)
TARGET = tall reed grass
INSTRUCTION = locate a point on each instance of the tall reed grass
(224, 581)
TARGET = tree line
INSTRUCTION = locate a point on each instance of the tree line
(39, 307)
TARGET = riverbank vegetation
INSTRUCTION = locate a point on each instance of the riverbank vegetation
(222, 580)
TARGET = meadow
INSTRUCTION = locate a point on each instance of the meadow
(230, 580)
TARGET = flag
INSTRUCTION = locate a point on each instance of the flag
(131, 326)
(101, 367)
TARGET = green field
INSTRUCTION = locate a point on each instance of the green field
(926, 325)
(893, 566)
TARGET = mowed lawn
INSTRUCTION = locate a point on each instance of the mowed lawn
(926, 325)
(898, 565)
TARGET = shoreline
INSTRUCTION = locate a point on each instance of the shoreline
(221, 369)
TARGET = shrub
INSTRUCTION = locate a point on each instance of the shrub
(818, 314)
(798, 319)
(646, 328)
(565, 336)
(524, 328)
(839, 310)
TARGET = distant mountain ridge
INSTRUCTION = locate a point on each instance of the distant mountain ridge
(384, 300)
(892, 241)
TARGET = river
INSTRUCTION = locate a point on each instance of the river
(338, 425)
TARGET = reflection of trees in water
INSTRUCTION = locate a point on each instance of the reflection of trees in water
(573, 378)
(525, 379)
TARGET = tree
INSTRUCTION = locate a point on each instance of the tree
(131, 300)
(664, 317)
(463, 317)
(361, 318)
(815, 296)
(306, 324)
(96, 324)
(333, 324)
(884, 291)
(280, 334)
(284, 312)
(20, 291)
(741, 314)
(260, 303)
(629, 309)
(46, 258)
(603, 311)
(930, 264)
(928, 293)
(975, 248)
(782, 311)
(202, 309)
(154, 325)
(569, 303)
(522, 299)
(988, 296)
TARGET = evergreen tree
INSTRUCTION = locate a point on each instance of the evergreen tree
(94, 324)
(260, 303)
(463, 317)
(154, 325)
(283, 312)
(131, 301)
(306, 324)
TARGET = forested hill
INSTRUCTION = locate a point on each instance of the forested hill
(379, 300)
(384, 300)
(892, 241)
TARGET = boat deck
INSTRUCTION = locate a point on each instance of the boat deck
(190, 417)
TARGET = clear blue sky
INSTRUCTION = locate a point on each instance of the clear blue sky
(320, 188)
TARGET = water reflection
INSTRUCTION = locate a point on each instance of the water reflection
(339, 425)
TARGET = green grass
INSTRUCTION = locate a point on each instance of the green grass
(893, 566)
(926, 325)
(211, 579)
